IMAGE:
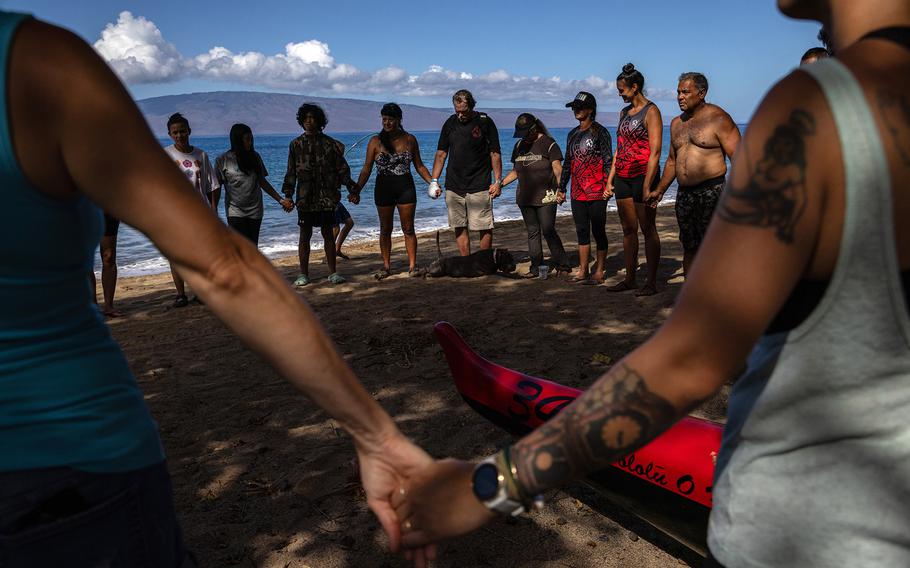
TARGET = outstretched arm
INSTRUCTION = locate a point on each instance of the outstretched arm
(439, 160)
(419, 166)
(368, 162)
(59, 131)
(728, 135)
(566, 166)
(655, 125)
(652, 198)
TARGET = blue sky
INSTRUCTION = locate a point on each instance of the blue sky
(508, 53)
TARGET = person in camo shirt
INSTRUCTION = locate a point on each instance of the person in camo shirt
(316, 171)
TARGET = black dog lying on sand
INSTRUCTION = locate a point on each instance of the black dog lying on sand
(480, 263)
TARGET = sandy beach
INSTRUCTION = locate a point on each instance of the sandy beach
(262, 477)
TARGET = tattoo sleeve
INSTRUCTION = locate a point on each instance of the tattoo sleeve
(775, 195)
(615, 417)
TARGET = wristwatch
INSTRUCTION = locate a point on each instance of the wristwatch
(494, 485)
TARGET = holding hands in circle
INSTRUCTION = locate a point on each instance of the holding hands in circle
(354, 195)
(434, 190)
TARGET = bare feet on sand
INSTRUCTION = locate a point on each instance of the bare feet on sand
(647, 290)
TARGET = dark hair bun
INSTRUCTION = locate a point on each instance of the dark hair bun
(628, 68)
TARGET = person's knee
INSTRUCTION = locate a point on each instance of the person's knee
(109, 257)
(584, 237)
(408, 230)
(649, 231)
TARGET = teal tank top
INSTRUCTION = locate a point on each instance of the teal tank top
(67, 396)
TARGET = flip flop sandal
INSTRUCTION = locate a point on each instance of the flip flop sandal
(181, 301)
(529, 274)
(580, 278)
(382, 274)
(591, 282)
(340, 254)
(302, 281)
(622, 286)
(417, 272)
(336, 278)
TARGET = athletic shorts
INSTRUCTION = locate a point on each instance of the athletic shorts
(694, 209)
(341, 214)
(315, 218)
(624, 188)
(394, 190)
(111, 225)
(246, 226)
(471, 210)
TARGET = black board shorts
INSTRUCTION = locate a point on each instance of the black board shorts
(395, 190)
(315, 218)
(694, 208)
(624, 188)
(111, 225)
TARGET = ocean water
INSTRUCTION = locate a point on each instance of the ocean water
(279, 234)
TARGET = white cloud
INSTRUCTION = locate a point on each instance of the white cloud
(138, 52)
(311, 51)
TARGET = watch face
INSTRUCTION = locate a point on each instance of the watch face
(486, 481)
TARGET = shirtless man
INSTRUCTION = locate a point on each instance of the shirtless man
(701, 139)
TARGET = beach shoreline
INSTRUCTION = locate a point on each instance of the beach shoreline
(279, 253)
(263, 477)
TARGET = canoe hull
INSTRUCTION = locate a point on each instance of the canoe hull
(681, 460)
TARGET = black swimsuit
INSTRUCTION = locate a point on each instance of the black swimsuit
(394, 182)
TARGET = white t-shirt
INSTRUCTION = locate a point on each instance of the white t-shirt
(197, 168)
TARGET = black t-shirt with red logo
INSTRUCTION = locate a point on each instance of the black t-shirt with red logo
(469, 145)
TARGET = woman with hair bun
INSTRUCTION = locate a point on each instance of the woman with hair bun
(637, 165)
(393, 151)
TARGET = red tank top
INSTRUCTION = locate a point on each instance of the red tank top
(632, 147)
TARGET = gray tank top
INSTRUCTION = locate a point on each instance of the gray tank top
(814, 468)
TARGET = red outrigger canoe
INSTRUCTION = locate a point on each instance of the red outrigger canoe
(681, 460)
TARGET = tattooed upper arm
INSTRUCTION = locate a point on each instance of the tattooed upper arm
(775, 194)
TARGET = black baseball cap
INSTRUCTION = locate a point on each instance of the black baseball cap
(582, 100)
(523, 124)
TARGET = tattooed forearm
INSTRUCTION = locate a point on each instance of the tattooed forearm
(775, 195)
(895, 109)
(616, 416)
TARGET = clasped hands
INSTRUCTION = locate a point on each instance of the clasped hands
(418, 501)
(354, 194)
(437, 503)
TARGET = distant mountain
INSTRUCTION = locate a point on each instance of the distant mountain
(273, 113)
